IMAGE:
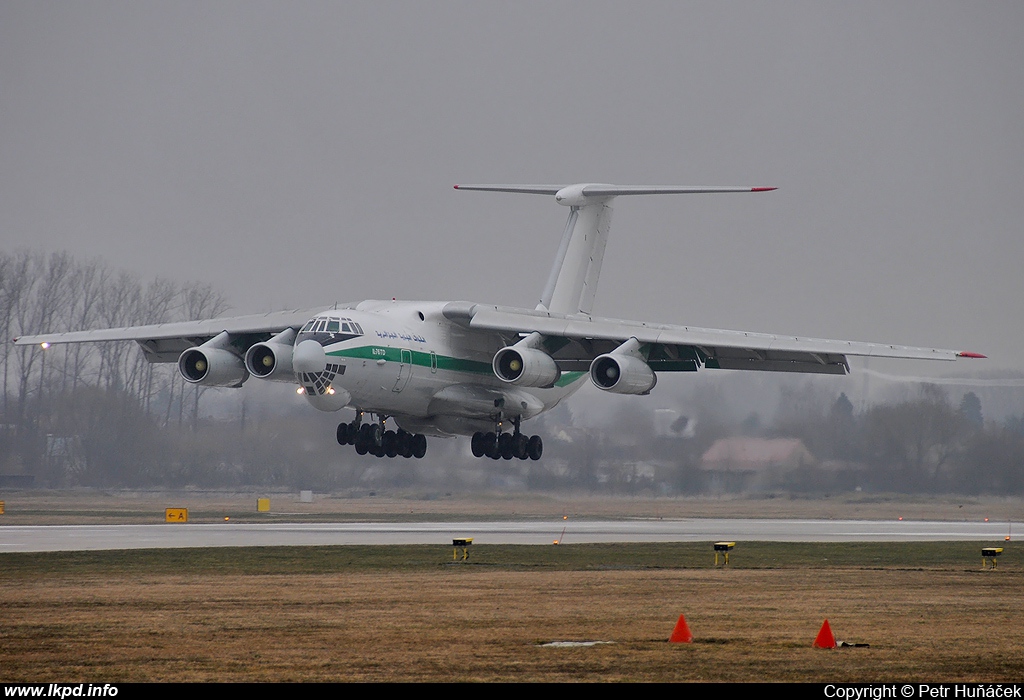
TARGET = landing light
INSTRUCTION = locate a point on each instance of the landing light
(300, 391)
(330, 390)
(44, 346)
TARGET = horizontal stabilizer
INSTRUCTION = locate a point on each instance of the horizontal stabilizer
(572, 283)
(519, 189)
(599, 190)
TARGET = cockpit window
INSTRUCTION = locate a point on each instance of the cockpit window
(331, 326)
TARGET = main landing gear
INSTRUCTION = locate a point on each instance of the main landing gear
(499, 445)
(372, 438)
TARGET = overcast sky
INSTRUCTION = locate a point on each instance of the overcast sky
(296, 154)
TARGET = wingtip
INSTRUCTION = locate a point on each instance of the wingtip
(763, 189)
(973, 355)
(456, 187)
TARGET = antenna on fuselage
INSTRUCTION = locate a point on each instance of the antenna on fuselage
(572, 283)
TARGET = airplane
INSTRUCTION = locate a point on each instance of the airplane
(462, 368)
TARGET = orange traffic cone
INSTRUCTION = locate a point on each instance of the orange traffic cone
(681, 634)
(825, 638)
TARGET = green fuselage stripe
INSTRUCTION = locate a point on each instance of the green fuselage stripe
(423, 359)
(419, 358)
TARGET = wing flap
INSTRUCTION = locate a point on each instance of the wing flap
(724, 349)
(777, 366)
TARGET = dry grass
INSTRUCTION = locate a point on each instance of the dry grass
(485, 622)
(402, 614)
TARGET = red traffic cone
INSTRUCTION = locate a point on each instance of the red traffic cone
(825, 638)
(681, 634)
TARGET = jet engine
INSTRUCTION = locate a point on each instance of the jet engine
(623, 370)
(622, 374)
(213, 364)
(273, 359)
(525, 366)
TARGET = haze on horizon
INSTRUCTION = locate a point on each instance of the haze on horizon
(296, 155)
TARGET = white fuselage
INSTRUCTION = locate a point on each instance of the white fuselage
(432, 375)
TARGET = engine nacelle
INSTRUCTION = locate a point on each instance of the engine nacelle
(525, 366)
(212, 366)
(272, 360)
(622, 374)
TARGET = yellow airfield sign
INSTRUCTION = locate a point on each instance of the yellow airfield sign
(176, 515)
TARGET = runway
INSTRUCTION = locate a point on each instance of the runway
(52, 538)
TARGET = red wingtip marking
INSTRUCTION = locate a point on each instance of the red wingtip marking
(456, 187)
(975, 355)
(763, 189)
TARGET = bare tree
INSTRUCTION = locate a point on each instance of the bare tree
(22, 284)
(200, 301)
(88, 282)
(912, 443)
(118, 306)
(53, 296)
(6, 314)
(158, 306)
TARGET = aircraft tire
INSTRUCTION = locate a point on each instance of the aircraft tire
(520, 446)
(489, 442)
(505, 445)
(477, 444)
(390, 443)
(535, 447)
(405, 444)
(361, 447)
(343, 432)
(419, 445)
(364, 434)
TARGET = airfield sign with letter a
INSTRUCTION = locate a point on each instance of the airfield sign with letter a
(176, 515)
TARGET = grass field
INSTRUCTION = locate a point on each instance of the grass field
(408, 613)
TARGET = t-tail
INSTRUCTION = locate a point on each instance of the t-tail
(572, 284)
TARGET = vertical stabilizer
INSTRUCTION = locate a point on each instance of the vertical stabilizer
(572, 284)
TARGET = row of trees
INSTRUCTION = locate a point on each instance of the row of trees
(58, 399)
(926, 443)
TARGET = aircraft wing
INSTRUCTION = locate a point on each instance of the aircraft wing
(164, 342)
(574, 340)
